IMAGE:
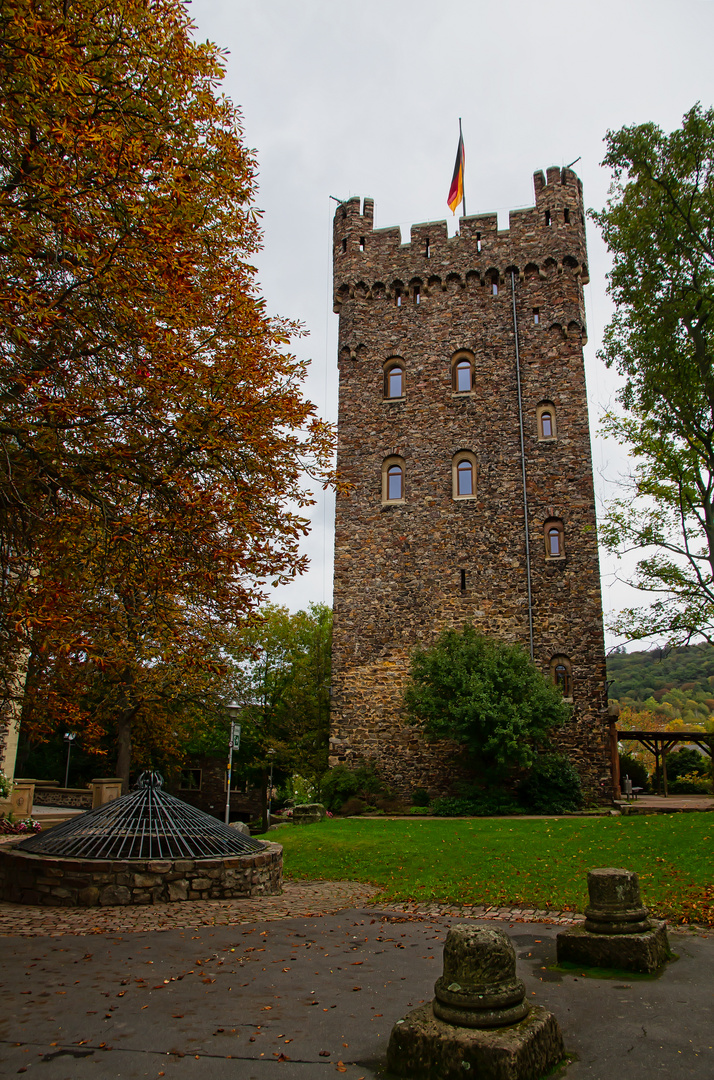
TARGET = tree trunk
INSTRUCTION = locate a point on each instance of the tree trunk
(124, 750)
(264, 799)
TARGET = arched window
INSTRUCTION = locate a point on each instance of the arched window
(394, 379)
(545, 414)
(393, 480)
(463, 475)
(554, 539)
(462, 372)
(561, 672)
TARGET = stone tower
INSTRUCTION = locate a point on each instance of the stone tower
(462, 414)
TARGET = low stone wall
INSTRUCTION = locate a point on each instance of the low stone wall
(78, 798)
(45, 880)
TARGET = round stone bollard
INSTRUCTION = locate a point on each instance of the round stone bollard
(308, 813)
(617, 933)
(479, 987)
(479, 1024)
(615, 905)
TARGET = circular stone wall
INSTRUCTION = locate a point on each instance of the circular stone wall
(53, 882)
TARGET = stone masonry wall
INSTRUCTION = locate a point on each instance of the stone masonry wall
(76, 798)
(37, 879)
(398, 566)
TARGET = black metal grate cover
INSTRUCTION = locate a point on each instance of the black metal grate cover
(148, 823)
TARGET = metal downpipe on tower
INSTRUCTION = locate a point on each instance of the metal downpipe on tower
(523, 465)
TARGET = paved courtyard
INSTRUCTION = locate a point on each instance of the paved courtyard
(303, 986)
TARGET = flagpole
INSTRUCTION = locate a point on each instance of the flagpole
(463, 193)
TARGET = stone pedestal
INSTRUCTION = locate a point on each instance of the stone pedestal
(426, 1048)
(105, 790)
(22, 797)
(478, 1020)
(308, 813)
(617, 932)
(644, 952)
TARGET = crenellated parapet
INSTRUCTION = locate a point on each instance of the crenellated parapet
(542, 241)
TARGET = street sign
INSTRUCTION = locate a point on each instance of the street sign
(235, 736)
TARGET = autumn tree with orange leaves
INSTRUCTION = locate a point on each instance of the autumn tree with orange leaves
(154, 432)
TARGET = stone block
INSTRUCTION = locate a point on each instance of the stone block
(88, 897)
(308, 813)
(160, 867)
(145, 881)
(201, 883)
(644, 953)
(423, 1047)
(114, 894)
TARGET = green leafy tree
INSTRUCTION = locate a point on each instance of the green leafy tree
(485, 695)
(659, 226)
(283, 682)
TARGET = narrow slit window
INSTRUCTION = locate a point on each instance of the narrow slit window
(547, 217)
(546, 424)
(417, 295)
(395, 482)
(427, 249)
(554, 540)
(494, 288)
(462, 380)
(566, 216)
(398, 298)
(463, 581)
(536, 316)
(561, 673)
(361, 243)
(464, 478)
(344, 245)
(478, 242)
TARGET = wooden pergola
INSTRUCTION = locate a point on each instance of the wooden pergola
(658, 743)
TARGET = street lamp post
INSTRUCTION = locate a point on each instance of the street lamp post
(69, 737)
(233, 711)
(271, 755)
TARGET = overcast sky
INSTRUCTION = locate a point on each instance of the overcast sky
(364, 99)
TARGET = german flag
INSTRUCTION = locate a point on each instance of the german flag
(456, 191)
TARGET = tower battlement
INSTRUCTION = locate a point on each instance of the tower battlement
(374, 263)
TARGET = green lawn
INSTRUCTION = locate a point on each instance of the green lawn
(535, 863)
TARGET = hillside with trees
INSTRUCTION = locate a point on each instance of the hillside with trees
(674, 684)
(665, 690)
